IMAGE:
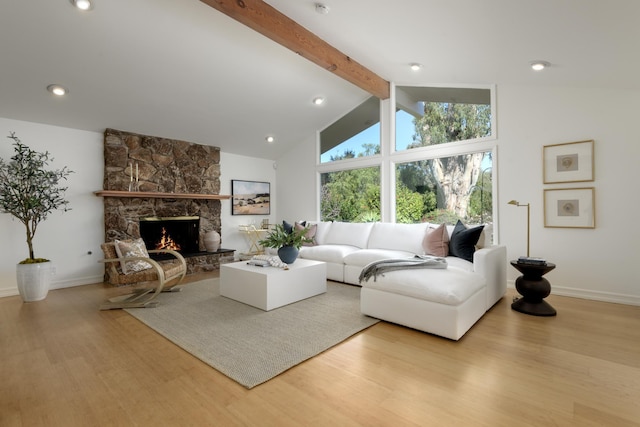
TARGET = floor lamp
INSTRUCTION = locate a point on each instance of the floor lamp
(516, 203)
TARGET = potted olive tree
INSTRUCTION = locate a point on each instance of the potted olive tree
(287, 240)
(30, 192)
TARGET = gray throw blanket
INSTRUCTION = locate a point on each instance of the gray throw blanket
(419, 261)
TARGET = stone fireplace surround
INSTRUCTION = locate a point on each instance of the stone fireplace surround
(162, 166)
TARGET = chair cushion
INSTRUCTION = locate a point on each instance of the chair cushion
(131, 249)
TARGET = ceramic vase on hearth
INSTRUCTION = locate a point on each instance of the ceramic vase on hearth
(212, 241)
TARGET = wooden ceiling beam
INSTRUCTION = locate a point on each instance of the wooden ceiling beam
(269, 22)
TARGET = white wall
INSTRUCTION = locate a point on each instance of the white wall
(67, 238)
(250, 169)
(64, 238)
(595, 264)
(296, 176)
(591, 263)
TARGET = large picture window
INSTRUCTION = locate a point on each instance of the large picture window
(436, 167)
(350, 195)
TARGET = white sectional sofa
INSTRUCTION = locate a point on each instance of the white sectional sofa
(445, 302)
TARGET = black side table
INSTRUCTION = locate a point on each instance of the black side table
(533, 288)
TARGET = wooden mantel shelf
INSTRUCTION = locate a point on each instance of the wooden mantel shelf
(154, 195)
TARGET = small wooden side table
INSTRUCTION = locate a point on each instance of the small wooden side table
(533, 288)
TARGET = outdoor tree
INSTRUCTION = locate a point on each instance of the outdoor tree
(454, 176)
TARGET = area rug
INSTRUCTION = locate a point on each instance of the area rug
(247, 344)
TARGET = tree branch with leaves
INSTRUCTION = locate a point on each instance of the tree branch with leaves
(29, 191)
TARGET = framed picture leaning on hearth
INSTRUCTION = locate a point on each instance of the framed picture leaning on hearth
(250, 197)
(569, 208)
(568, 162)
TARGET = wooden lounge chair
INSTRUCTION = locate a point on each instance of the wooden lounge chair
(167, 274)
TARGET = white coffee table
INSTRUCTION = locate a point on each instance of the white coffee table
(270, 287)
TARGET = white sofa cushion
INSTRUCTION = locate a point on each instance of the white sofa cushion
(401, 237)
(363, 257)
(451, 286)
(327, 253)
(460, 263)
(349, 233)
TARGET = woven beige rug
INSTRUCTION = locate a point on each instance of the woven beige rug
(247, 344)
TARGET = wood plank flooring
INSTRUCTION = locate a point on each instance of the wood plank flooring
(64, 363)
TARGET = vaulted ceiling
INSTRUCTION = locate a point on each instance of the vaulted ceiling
(182, 69)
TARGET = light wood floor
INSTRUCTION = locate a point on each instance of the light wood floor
(64, 363)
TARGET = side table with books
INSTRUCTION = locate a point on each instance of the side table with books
(533, 287)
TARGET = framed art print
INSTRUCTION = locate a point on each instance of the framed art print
(250, 197)
(568, 162)
(569, 208)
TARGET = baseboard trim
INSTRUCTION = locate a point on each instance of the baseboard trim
(590, 295)
(90, 280)
(9, 292)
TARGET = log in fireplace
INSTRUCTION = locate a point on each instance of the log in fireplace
(178, 233)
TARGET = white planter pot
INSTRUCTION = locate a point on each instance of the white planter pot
(34, 280)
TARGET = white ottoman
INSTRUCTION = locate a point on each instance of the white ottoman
(445, 302)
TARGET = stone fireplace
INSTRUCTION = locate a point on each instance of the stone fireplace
(155, 165)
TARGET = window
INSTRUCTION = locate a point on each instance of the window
(357, 134)
(445, 189)
(350, 195)
(432, 115)
(441, 167)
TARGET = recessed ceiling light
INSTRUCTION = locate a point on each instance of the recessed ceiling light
(539, 65)
(270, 139)
(415, 66)
(318, 100)
(82, 4)
(322, 8)
(57, 90)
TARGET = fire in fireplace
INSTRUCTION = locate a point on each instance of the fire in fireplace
(178, 233)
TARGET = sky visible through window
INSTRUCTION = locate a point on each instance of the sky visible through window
(371, 135)
(405, 130)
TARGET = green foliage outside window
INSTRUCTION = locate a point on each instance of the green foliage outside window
(351, 195)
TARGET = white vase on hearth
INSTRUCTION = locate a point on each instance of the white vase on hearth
(212, 241)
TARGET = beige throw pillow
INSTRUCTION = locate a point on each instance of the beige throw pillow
(436, 241)
(129, 249)
(310, 234)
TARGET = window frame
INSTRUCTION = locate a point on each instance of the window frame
(389, 157)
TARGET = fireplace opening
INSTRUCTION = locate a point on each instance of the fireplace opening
(178, 233)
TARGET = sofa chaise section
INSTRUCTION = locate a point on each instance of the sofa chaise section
(445, 302)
